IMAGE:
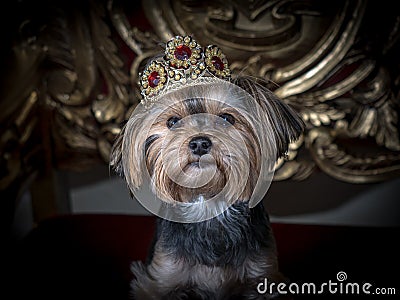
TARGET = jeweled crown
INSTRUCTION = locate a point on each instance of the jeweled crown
(184, 62)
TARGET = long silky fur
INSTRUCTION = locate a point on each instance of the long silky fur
(222, 258)
(225, 240)
(285, 121)
(227, 256)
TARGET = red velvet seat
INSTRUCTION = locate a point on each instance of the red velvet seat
(88, 256)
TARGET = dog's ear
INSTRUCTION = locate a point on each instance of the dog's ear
(286, 123)
(127, 153)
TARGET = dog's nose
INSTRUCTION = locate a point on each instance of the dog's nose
(200, 145)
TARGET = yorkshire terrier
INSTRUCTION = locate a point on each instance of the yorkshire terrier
(199, 151)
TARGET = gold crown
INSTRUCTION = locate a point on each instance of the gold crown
(184, 62)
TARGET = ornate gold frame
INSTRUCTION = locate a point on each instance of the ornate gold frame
(71, 80)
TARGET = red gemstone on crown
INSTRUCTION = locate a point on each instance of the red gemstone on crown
(182, 52)
(217, 63)
(153, 79)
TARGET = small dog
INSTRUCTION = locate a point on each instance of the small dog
(199, 152)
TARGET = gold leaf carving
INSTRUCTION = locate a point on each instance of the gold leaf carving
(76, 76)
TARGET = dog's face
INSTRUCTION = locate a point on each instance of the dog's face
(201, 142)
(198, 147)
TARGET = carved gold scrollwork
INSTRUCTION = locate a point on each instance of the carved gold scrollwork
(90, 91)
(308, 54)
(323, 58)
(15, 157)
(338, 163)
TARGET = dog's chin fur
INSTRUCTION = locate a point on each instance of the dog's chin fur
(199, 181)
(224, 257)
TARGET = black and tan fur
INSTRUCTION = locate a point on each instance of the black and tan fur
(227, 256)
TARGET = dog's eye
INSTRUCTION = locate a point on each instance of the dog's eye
(172, 121)
(228, 118)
